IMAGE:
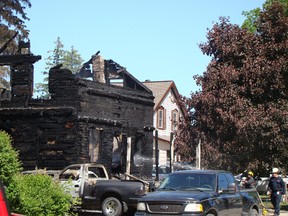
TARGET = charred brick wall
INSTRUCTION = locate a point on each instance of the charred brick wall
(43, 136)
(114, 110)
(79, 123)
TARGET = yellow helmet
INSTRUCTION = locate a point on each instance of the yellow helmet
(250, 173)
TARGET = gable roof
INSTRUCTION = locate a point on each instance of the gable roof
(160, 89)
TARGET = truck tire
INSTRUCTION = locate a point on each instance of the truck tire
(111, 206)
(253, 212)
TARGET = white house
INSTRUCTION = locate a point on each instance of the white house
(167, 113)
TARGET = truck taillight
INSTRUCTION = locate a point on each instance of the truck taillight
(3, 206)
(140, 191)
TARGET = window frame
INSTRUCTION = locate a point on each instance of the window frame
(159, 126)
(174, 122)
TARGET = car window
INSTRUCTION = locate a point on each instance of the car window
(222, 182)
(96, 172)
(230, 178)
(70, 173)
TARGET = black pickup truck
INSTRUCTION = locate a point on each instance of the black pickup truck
(99, 194)
(200, 192)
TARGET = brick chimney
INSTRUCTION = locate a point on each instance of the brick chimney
(98, 69)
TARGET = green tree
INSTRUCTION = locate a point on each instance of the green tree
(252, 16)
(57, 54)
(9, 162)
(72, 60)
(240, 114)
(69, 59)
(13, 14)
(55, 58)
(13, 17)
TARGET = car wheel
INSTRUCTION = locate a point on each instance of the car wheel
(111, 206)
(253, 212)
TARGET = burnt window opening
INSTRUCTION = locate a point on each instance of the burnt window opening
(119, 153)
(138, 158)
(5, 79)
(51, 141)
(138, 145)
(95, 142)
(69, 125)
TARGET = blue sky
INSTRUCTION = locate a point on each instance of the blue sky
(154, 39)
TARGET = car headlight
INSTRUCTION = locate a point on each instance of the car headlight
(140, 191)
(141, 206)
(193, 207)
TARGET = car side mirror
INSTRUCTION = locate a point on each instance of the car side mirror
(231, 188)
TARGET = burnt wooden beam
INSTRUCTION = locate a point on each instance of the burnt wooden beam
(36, 112)
(18, 59)
(7, 42)
(134, 99)
(99, 121)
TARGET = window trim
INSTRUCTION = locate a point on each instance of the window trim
(174, 128)
(163, 126)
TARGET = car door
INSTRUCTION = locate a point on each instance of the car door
(70, 178)
(229, 202)
(235, 197)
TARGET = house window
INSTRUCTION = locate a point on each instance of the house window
(161, 118)
(174, 120)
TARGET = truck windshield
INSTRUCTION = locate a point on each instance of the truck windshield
(189, 181)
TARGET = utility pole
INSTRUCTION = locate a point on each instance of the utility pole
(198, 155)
(156, 155)
(171, 150)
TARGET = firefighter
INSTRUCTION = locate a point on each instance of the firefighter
(276, 188)
(249, 181)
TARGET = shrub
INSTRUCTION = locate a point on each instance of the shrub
(38, 194)
(9, 162)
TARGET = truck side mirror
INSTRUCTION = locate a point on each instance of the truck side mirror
(231, 188)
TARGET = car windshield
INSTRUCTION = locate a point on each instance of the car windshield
(189, 181)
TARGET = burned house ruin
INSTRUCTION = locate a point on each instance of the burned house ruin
(88, 118)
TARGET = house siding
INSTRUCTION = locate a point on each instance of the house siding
(169, 103)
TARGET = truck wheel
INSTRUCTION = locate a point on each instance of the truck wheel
(111, 206)
(253, 212)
